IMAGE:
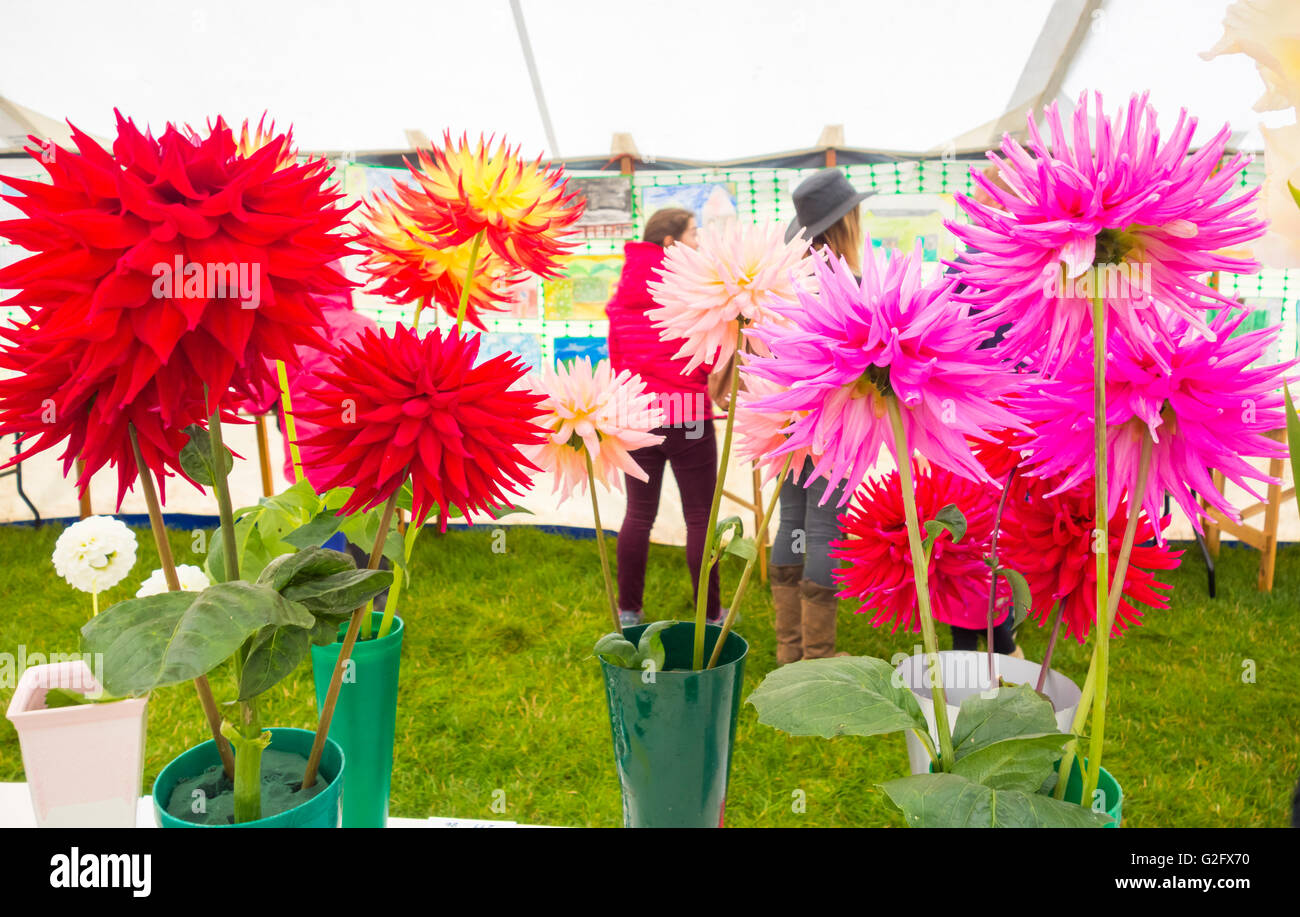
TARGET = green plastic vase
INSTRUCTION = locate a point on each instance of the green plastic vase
(365, 718)
(1112, 796)
(321, 811)
(674, 729)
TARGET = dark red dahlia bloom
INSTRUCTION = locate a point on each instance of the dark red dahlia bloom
(1048, 539)
(880, 562)
(165, 267)
(404, 405)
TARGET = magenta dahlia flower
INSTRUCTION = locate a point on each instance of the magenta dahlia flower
(853, 344)
(1152, 218)
(880, 561)
(1205, 404)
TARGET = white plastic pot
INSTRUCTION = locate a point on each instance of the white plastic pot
(966, 673)
(83, 763)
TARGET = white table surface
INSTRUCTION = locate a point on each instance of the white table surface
(16, 812)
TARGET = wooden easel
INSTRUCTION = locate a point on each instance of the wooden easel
(1262, 539)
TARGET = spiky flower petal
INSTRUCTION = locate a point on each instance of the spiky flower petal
(735, 277)
(592, 411)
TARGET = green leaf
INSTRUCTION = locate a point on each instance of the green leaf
(1021, 597)
(848, 695)
(744, 548)
(733, 524)
(64, 697)
(952, 801)
(361, 529)
(616, 650)
(273, 654)
(1022, 763)
(651, 645)
(341, 593)
(303, 566)
(196, 456)
(949, 519)
(1293, 428)
(1295, 193)
(316, 532)
(253, 555)
(174, 637)
(1008, 714)
(326, 630)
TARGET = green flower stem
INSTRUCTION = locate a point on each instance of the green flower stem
(710, 534)
(206, 700)
(248, 772)
(345, 653)
(920, 574)
(290, 432)
(924, 736)
(1076, 726)
(993, 580)
(760, 544)
(600, 544)
(1093, 774)
(1051, 646)
(94, 604)
(1101, 536)
(399, 577)
(469, 279)
(419, 307)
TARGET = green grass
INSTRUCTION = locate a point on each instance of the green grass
(499, 690)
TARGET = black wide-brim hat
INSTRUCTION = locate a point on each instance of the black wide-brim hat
(819, 202)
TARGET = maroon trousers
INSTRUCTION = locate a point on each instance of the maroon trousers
(695, 468)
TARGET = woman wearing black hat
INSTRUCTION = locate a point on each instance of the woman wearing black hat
(803, 591)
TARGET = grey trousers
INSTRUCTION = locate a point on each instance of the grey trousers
(806, 529)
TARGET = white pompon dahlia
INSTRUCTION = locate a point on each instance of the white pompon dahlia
(192, 578)
(95, 554)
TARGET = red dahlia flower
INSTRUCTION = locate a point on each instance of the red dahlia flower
(880, 563)
(163, 268)
(418, 406)
(1048, 539)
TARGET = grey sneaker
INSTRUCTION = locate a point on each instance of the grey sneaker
(631, 618)
(722, 616)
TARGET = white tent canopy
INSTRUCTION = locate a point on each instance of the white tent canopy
(715, 80)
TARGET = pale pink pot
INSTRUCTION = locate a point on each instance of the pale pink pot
(84, 764)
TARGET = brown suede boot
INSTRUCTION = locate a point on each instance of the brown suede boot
(789, 612)
(820, 607)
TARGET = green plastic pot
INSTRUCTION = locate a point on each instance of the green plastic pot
(673, 730)
(1112, 795)
(365, 719)
(321, 811)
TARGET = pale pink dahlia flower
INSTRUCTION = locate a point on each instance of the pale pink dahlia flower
(592, 411)
(1203, 402)
(759, 434)
(734, 278)
(851, 345)
(1152, 218)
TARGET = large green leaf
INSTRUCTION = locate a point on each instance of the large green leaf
(340, 593)
(170, 638)
(273, 654)
(196, 456)
(316, 532)
(616, 650)
(1022, 763)
(848, 695)
(952, 801)
(1009, 713)
(303, 566)
(361, 530)
(651, 645)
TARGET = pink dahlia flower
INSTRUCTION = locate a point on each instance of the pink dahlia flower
(1153, 219)
(759, 434)
(852, 344)
(592, 412)
(880, 561)
(1204, 403)
(734, 278)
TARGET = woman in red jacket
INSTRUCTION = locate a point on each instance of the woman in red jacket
(689, 444)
